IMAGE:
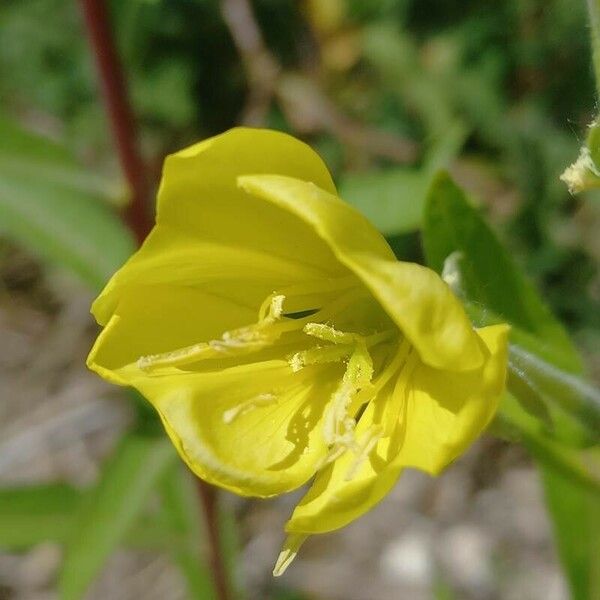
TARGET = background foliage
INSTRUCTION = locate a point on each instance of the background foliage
(389, 92)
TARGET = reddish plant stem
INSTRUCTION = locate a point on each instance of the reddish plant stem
(120, 114)
(210, 504)
(122, 123)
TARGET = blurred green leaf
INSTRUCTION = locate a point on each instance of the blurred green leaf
(393, 199)
(182, 513)
(34, 514)
(574, 395)
(53, 207)
(576, 515)
(25, 154)
(112, 508)
(516, 424)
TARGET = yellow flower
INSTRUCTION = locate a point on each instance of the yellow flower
(277, 336)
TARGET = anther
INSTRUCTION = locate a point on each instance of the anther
(319, 355)
(328, 333)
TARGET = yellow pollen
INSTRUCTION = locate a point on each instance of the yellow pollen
(338, 423)
(319, 355)
(328, 333)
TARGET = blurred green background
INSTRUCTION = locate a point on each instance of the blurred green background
(388, 91)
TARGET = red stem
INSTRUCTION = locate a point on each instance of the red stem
(122, 123)
(120, 114)
(210, 505)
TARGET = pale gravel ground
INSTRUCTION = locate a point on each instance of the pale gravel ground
(481, 527)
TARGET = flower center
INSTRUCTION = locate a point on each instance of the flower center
(301, 317)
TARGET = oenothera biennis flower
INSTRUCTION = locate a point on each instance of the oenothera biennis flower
(278, 337)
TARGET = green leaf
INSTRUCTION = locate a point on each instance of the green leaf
(489, 275)
(34, 514)
(455, 235)
(492, 283)
(54, 207)
(393, 199)
(515, 423)
(576, 519)
(573, 395)
(182, 514)
(564, 402)
(112, 508)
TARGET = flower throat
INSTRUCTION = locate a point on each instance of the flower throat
(301, 318)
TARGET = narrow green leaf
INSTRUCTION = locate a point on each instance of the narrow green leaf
(573, 395)
(490, 276)
(576, 519)
(112, 508)
(53, 207)
(579, 467)
(567, 404)
(34, 514)
(182, 513)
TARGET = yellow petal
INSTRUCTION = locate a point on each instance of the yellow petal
(199, 194)
(447, 411)
(153, 319)
(170, 257)
(428, 429)
(344, 490)
(209, 232)
(253, 429)
(415, 297)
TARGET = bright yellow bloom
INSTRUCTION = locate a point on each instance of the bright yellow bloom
(277, 336)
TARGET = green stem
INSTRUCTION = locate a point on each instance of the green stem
(594, 12)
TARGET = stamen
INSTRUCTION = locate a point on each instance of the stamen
(319, 355)
(370, 391)
(334, 454)
(271, 309)
(337, 411)
(244, 340)
(338, 425)
(328, 333)
(366, 446)
(245, 407)
(360, 366)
